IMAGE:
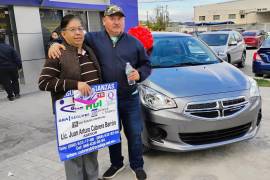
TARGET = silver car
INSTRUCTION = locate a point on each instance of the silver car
(228, 45)
(193, 100)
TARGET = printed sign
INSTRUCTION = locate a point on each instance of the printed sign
(87, 124)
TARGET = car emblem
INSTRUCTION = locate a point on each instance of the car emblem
(220, 108)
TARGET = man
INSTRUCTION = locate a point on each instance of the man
(10, 63)
(114, 48)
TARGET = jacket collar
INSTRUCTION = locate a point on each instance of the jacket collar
(69, 47)
(107, 34)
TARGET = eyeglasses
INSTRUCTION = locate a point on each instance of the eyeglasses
(73, 30)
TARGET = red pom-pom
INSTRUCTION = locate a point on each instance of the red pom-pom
(144, 35)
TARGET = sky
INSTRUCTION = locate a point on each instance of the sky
(179, 10)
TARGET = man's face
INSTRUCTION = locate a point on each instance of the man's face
(114, 24)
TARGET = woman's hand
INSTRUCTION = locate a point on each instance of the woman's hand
(84, 88)
(54, 50)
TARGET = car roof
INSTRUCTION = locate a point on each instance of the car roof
(218, 32)
(169, 34)
(252, 31)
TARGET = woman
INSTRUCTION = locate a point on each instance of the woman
(76, 69)
(55, 38)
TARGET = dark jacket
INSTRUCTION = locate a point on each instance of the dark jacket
(113, 59)
(9, 59)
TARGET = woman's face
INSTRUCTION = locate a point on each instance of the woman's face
(54, 35)
(73, 33)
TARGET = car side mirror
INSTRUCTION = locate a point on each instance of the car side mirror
(233, 43)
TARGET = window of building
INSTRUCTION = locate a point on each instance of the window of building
(201, 18)
(216, 17)
(50, 21)
(5, 26)
(232, 16)
(81, 14)
(242, 16)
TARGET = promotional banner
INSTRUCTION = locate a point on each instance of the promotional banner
(86, 124)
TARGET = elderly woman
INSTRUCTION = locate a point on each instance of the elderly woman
(76, 69)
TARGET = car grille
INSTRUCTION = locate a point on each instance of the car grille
(214, 136)
(216, 109)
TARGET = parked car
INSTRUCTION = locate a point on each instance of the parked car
(261, 59)
(253, 38)
(228, 45)
(193, 100)
(267, 35)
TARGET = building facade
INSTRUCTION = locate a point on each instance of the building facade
(27, 25)
(237, 11)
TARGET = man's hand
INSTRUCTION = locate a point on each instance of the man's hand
(54, 50)
(84, 88)
(134, 75)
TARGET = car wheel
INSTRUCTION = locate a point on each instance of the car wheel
(243, 60)
(146, 149)
(228, 58)
(258, 75)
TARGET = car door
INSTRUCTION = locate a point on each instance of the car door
(232, 48)
(240, 45)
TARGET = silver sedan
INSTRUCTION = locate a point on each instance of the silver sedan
(193, 100)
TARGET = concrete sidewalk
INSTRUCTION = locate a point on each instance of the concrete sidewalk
(28, 149)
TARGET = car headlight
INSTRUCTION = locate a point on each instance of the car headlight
(254, 89)
(155, 100)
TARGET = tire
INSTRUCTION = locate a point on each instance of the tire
(243, 60)
(228, 58)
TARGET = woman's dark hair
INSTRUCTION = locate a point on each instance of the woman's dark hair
(67, 18)
(51, 38)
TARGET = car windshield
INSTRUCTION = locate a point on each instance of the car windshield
(180, 51)
(266, 44)
(215, 39)
(247, 33)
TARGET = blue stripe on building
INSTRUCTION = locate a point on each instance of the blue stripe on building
(130, 7)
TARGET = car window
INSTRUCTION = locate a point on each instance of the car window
(266, 44)
(194, 48)
(238, 36)
(215, 39)
(180, 51)
(249, 33)
(231, 39)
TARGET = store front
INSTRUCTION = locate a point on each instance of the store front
(51, 18)
(5, 26)
(28, 24)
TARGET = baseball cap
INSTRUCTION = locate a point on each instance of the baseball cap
(112, 10)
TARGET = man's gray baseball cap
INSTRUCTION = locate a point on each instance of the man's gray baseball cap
(113, 10)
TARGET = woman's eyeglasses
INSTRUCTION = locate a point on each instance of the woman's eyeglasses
(73, 30)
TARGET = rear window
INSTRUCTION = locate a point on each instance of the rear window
(215, 39)
(249, 33)
(266, 44)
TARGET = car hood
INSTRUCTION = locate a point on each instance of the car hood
(218, 49)
(197, 80)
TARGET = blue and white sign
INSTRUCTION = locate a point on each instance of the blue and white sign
(87, 124)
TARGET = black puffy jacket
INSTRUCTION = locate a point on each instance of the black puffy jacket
(9, 59)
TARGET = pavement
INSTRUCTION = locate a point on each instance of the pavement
(28, 149)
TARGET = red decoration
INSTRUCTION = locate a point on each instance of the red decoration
(144, 35)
